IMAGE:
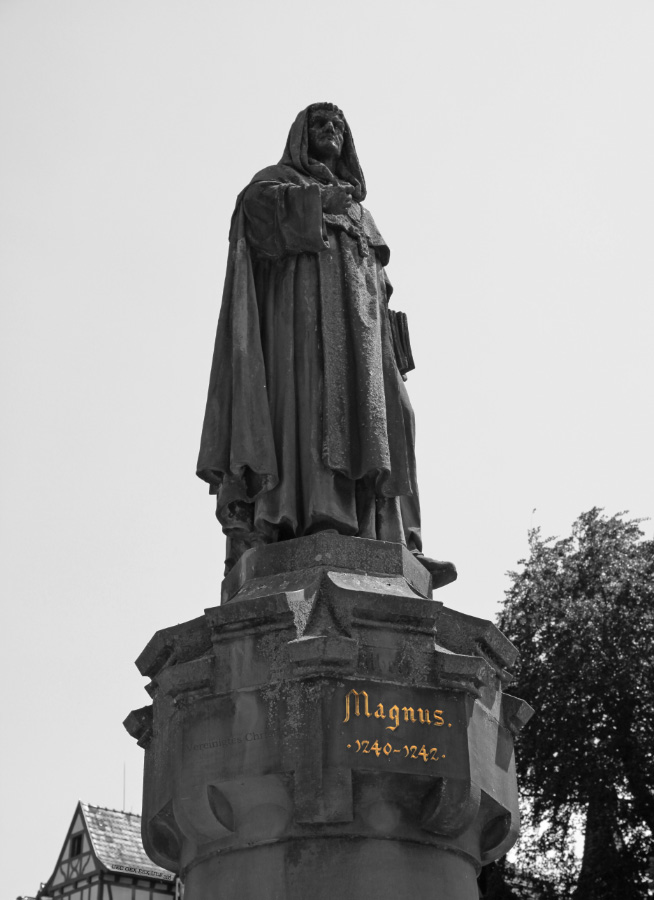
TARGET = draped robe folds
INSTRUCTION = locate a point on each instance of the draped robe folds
(308, 424)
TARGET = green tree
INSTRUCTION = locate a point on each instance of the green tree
(581, 612)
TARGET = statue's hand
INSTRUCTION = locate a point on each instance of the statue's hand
(336, 198)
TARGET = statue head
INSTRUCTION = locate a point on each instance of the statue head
(320, 144)
(327, 129)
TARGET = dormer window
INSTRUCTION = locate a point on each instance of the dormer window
(76, 845)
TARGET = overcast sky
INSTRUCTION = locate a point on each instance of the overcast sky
(508, 151)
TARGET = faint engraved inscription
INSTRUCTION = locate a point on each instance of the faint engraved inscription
(247, 737)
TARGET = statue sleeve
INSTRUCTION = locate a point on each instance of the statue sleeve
(284, 219)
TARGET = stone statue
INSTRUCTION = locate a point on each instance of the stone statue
(308, 425)
(327, 730)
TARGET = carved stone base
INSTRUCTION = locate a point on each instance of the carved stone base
(328, 731)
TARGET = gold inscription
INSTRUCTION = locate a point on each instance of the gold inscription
(426, 754)
(356, 704)
(424, 716)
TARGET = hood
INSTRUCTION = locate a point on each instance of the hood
(296, 155)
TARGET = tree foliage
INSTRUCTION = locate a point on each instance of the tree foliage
(581, 613)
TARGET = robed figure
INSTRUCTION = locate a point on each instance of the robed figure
(308, 426)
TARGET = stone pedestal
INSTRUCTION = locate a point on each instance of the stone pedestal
(328, 731)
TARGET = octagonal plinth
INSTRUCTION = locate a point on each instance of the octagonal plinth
(328, 731)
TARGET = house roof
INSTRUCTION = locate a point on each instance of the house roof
(117, 843)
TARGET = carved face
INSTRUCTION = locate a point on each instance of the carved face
(326, 134)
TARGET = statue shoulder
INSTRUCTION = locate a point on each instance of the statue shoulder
(280, 173)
